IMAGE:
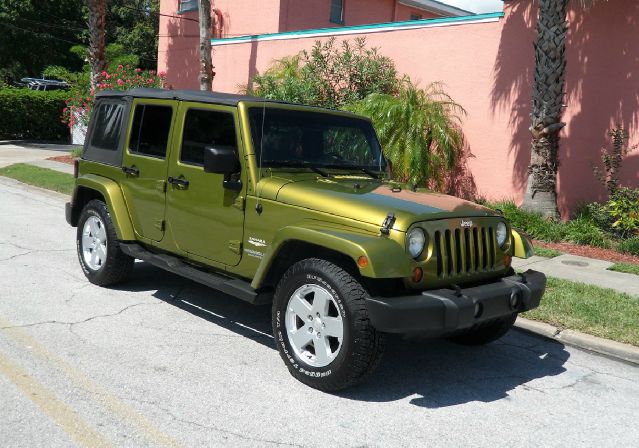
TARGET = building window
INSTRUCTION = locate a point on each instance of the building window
(416, 17)
(187, 5)
(337, 11)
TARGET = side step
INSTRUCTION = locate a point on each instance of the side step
(228, 285)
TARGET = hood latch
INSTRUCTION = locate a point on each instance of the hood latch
(388, 223)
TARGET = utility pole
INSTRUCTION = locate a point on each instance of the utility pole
(206, 64)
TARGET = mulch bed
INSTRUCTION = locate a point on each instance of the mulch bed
(589, 251)
(64, 159)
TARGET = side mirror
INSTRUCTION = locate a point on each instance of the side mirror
(220, 160)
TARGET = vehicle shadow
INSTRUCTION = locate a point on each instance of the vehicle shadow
(436, 373)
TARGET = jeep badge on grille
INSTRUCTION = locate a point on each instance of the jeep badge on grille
(468, 223)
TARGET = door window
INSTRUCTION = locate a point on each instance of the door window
(204, 128)
(106, 130)
(150, 130)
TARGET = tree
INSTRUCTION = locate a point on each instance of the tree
(97, 40)
(134, 24)
(547, 103)
(206, 65)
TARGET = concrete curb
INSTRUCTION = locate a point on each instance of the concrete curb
(617, 350)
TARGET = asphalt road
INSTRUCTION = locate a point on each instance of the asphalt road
(162, 361)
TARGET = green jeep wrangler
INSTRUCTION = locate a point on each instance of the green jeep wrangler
(275, 202)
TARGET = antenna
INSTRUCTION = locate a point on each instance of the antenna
(258, 205)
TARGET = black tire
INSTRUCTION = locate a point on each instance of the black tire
(362, 346)
(486, 333)
(118, 265)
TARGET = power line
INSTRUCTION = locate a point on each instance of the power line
(132, 8)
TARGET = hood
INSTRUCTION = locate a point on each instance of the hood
(370, 201)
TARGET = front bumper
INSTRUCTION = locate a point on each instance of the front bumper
(444, 311)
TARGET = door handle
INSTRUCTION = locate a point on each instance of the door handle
(131, 171)
(181, 183)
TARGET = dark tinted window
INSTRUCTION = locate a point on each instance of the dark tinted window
(150, 130)
(337, 11)
(206, 128)
(107, 125)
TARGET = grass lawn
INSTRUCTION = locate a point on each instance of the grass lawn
(40, 177)
(625, 267)
(597, 311)
(548, 253)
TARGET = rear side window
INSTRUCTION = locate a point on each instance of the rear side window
(206, 128)
(107, 126)
(150, 130)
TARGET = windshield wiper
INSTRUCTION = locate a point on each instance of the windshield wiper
(296, 164)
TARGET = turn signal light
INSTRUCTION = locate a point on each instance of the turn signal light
(508, 260)
(362, 262)
(418, 273)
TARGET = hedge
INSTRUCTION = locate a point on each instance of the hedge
(32, 114)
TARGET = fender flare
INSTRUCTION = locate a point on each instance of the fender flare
(386, 258)
(522, 246)
(114, 198)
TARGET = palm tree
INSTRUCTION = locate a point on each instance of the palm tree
(96, 23)
(548, 98)
(420, 131)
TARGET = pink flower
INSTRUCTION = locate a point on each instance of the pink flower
(162, 74)
(120, 82)
(120, 67)
(103, 73)
(107, 76)
(151, 72)
(149, 81)
(138, 70)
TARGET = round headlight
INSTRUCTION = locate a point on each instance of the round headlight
(416, 242)
(502, 234)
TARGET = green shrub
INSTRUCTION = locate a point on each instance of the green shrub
(623, 208)
(533, 224)
(31, 114)
(597, 213)
(629, 246)
(582, 230)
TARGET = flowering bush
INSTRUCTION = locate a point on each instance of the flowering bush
(79, 105)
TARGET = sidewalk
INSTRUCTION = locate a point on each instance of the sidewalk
(26, 152)
(583, 270)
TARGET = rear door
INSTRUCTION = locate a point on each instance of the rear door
(206, 219)
(145, 165)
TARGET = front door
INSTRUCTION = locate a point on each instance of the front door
(145, 165)
(206, 219)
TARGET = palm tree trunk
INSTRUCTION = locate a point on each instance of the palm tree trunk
(548, 99)
(206, 64)
(97, 23)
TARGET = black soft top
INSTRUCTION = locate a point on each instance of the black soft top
(227, 99)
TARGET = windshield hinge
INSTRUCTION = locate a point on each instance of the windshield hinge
(235, 246)
(239, 203)
(388, 223)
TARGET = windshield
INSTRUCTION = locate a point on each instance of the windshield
(291, 138)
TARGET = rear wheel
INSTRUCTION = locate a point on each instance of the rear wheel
(486, 333)
(321, 326)
(101, 258)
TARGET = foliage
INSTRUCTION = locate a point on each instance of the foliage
(328, 76)
(35, 34)
(597, 311)
(419, 128)
(623, 208)
(580, 230)
(629, 246)
(612, 159)
(545, 252)
(420, 131)
(40, 177)
(124, 77)
(626, 268)
(31, 114)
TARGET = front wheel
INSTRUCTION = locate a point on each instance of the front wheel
(321, 326)
(101, 258)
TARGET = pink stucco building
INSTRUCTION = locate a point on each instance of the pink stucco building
(486, 62)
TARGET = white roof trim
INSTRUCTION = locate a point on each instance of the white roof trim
(436, 7)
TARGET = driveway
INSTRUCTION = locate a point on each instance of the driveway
(163, 361)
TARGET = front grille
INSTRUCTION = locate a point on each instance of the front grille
(465, 251)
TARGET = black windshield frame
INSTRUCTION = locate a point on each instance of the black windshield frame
(303, 129)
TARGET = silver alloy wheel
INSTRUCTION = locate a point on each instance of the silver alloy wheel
(314, 325)
(94, 243)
